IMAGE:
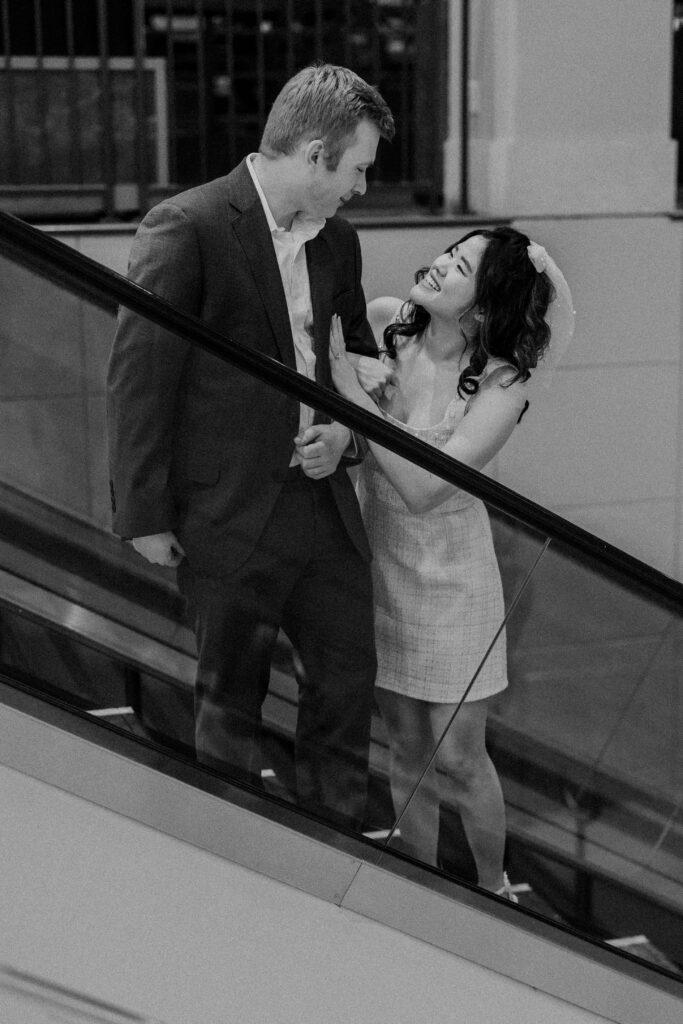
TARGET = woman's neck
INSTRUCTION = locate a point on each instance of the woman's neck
(443, 341)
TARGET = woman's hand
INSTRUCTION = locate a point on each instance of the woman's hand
(343, 374)
(374, 377)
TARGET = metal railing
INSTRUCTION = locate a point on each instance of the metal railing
(112, 106)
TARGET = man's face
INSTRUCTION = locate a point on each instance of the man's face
(331, 189)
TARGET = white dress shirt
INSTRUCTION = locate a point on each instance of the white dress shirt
(291, 257)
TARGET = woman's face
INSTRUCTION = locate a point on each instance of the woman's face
(448, 288)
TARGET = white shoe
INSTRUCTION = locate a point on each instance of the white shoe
(506, 890)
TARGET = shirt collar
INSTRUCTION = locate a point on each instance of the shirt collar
(303, 228)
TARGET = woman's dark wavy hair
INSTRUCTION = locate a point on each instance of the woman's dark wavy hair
(513, 299)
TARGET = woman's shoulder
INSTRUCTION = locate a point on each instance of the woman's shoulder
(498, 384)
(497, 372)
(382, 311)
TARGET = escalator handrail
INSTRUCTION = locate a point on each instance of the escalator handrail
(86, 277)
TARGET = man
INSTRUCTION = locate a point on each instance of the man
(231, 480)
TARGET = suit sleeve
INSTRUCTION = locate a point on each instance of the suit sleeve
(357, 332)
(359, 338)
(145, 375)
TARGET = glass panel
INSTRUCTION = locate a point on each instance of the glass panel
(586, 744)
(597, 708)
(86, 619)
(53, 362)
(584, 739)
(454, 665)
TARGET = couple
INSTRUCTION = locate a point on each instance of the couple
(246, 491)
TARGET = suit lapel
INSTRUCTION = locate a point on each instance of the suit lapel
(251, 230)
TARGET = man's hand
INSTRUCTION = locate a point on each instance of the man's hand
(160, 549)
(374, 376)
(320, 448)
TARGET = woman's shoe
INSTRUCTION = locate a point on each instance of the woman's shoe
(506, 890)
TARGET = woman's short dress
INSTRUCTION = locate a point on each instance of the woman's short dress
(437, 587)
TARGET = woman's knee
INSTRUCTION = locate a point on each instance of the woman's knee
(465, 766)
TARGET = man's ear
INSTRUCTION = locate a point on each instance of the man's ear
(314, 151)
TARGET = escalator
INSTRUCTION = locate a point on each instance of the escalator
(70, 630)
(585, 739)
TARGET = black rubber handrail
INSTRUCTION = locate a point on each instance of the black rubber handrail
(85, 277)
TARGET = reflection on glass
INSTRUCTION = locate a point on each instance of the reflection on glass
(586, 743)
(585, 739)
(53, 361)
(440, 769)
(595, 718)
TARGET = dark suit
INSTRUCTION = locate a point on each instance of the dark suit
(203, 450)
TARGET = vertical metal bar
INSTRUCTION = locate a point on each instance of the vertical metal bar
(439, 91)
(465, 109)
(376, 79)
(375, 48)
(230, 71)
(318, 30)
(260, 67)
(346, 33)
(289, 18)
(171, 93)
(11, 96)
(108, 154)
(403, 114)
(42, 102)
(141, 158)
(202, 90)
(74, 106)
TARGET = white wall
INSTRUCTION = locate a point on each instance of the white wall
(117, 911)
(570, 106)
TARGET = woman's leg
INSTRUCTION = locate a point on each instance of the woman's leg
(473, 781)
(411, 745)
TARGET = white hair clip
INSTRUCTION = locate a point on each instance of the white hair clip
(560, 316)
(538, 256)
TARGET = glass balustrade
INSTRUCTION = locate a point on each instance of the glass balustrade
(584, 739)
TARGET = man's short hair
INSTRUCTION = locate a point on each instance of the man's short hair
(324, 101)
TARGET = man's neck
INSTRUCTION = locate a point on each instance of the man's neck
(272, 176)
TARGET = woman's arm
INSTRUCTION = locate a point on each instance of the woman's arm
(488, 423)
(374, 375)
(481, 433)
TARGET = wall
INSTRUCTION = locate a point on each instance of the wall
(570, 106)
(117, 911)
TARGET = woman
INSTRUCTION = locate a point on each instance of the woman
(454, 364)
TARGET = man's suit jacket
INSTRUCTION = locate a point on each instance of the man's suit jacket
(196, 446)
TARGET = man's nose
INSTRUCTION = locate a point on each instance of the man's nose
(361, 186)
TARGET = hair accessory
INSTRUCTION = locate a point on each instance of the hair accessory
(560, 316)
(538, 256)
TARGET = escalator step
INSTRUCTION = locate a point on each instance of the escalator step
(640, 946)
